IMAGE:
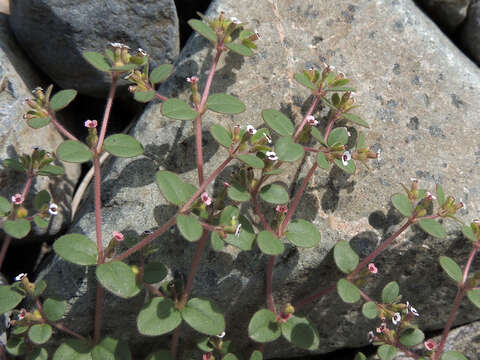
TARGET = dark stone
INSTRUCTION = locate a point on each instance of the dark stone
(470, 33)
(413, 124)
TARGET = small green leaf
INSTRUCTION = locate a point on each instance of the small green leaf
(245, 238)
(221, 135)
(9, 298)
(301, 333)
(203, 29)
(263, 327)
(302, 233)
(123, 145)
(14, 164)
(5, 206)
(288, 150)
(345, 257)
(38, 122)
(178, 109)
(270, 244)
(228, 214)
(17, 229)
(259, 135)
(38, 354)
(322, 161)
(412, 337)
(474, 297)
(19, 329)
(16, 346)
(274, 194)
(278, 122)
(144, 96)
(355, 119)
(42, 198)
(338, 136)
(54, 308)
(160, 355)
(40, 286)
(453, 355)
(229, 356)
(402, 204)
(203, 316)
(251, 160)
(451, 268)
(440, 195)
(237, 192)
(360, 356)
(390, 292)
(216, 241)
(466, 230)
(118, 278)
(256, 355)
(339, 88)
(123, 68)
(349, 168)
(369, 310)
(73, 349)
(173, 189)
(225, 104)
(303, 80)
(189, 227)
(159, 316)
(340, 82)
(387, 352)
(111, 349)
(74, 151)
(348, 292)
(97, 60)
(240, 49)
(161, 73)
(76, 248)
(61, 99)
(40, 333)
(317, 135)
(42, 223)
(51, 170)
(361, 141)
(204, 344)
(154, 272)
(432, 227)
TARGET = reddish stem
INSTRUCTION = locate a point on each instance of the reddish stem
(270, 303)
(314, 297)
(160, 97)
(26, 188)
(309, 112)
(6, 243)
(153, 290)
(68, 331)
(310, 149)
(174, 344)
(106, 114)
(259, 213)
(408, 352)
(60, 128)
(98, 313)
(330, 126)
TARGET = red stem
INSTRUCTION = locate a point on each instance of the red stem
(259, 213)
(314, 297)
(60, 128)
(309, 112)
(26, 188)
(270, 303)
(68, 331)
(6, 243)
(106, 114)
(330, 126)
(160, 97)
(174, 344)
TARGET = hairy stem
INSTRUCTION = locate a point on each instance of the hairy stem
(106, 114)
(309, 112)
(160, 97)
(27, 186)
(60, 128)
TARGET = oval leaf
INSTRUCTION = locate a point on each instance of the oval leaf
(118, 278)
(74, 151)
(263, 327)
(390, 292)
(270, 244)
(355, 119)
(178, 109)
(451, 268)
(348, 292)
(76, 248)
(440, 195)
(360, 356)
(402, 204)
(412, 337)
(274, 194)
(221, 135)
(17, 229)
(111, 349)
(97, 60)
(8, 298)
(144, 96)
(345, 257)
(245, 238)
(474, 297)
(338, 136)
(256, 355)
(432, 227)
(5, 206)
(225, 104)
(387, 352)
(42, 198)
(38, 122)
(288, 150)
(278, 122)
(301, 333)
(468, 233)
(73, 349)
(40, 222)
(203, 316)
(237, 192)
(251, 160)
(161, 73)
(159, 316)
(174, 189)
(123, 145)
(203, 29)
(40, 333)
(216, 242)
(51, 170)
(240, 49)
(302, 233)
(369, 310)
(39, 354)
(189, 227)
(154, 272)
(61, 99)
(54, 308)
(322, 161)
(349, 168)
(453, 355)
(16, 346)
(303, 80)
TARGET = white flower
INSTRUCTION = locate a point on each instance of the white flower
(142, 52)
(20, 277)
(234, 20)
(221, 335)
(17, 199)
(411, 309)
(251, 130)
(237, 230)
(396, 318)
(346, 157)
(269, 139)
(311, 120)
(378, 154)
(271, 155)
(414, 180)
(371, 336)
(53, 209)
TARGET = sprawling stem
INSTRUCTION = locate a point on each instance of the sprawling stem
(258, 212)
(98, 207)
(66, 330)
(309, 112)
(314, 297)
(106, 114)
(27, 186)
(60, 128)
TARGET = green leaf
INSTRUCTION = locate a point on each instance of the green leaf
(369, 310)
(61, 99)
(229, 356)
(51, 170)
(361, 141)
(259, 135)
(322, 161)
(221, 135)
(237, 192)
(161, 73)
(270, 244)
(274, 194)
(348, 292)
(16, 346)
(160, 355)
(159, 316)
(402, 204)
(19, 329)
(204, 344)
(340, 88)
(76, 248)
(216, 241)
(5, 206)
(74, 151)
(17, 229)
(40, 286)
(466, 230)
(340, 82)
(118, 278)
(9, 298)
(302, 233)
(338, 136)
(263, 327)
(240, 49)
(123, 145)
(40, 333)
(256, 355)
(288, 150)
(451, 268)
(303, 80)
(38, 122)
(390, 292)
(355, 119)
(453, 355)
(189, 227)
(228, 214)
(173, 189)
(349, 168)
(245, 238)
(203, 316)
(144, 96)
(203, 29)
(412, 337)
(317, 135)
(123, 68)
(360, 356)
(345, 257)
(14, 164)
(278, 122)
(111, 349)
(178, 109)
(97, 60)
(301, 333)
(40, 222)
(54, 308)
(225, 104)
(154, 272)
(251, 160)
(38, 354)
(73, 349)
(474, 297)
(387, 352)
(432, 227)
(42, 198)
(440, 195)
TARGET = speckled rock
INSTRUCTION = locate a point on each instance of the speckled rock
(471, 31)
(449, 14)
(16, 78)
(423, 117)
(55, 33)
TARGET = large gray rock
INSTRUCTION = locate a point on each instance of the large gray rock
(449, 14)
(471, 31)
(419, 94)
(16, 137)
(55, 33)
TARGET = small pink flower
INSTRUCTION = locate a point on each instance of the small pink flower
(90, 124)
(372, 268)
(284, 317)
(311, 120)
(430, 344)
(282, 209)
(22, 314)
(17, 199)
(429, 196)
(53, 209)
(382, 328)
(207, 356)
(206, 199)
(226, 184)
(20, 277)
(346, 157)
(118, 236)
(251, 130)
(192, 80)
